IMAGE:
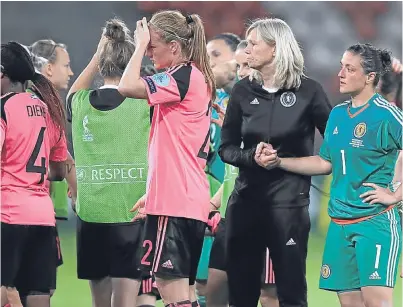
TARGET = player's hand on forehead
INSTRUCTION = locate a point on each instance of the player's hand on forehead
(142, 33)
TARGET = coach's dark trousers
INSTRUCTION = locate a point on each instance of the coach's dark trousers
(253, 225)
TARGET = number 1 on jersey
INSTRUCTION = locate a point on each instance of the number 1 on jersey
(343, 160)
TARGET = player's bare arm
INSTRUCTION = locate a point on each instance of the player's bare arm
(131, 84)
(85, 79)
(215, 201)
(57, 171)
(71, 178)
(309, 166)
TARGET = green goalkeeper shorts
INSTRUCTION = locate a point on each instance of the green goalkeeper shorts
(362, 254)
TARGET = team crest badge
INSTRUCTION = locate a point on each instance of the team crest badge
(325, 271)
(288, 99)
(360, 130)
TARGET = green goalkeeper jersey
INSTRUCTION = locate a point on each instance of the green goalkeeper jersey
(362, 144)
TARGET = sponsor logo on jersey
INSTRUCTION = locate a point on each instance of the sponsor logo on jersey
(162, 79)
(288, 99)
(360, 130)
(325, 271)
(87, 135)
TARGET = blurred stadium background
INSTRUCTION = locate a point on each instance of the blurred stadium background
(324, 30)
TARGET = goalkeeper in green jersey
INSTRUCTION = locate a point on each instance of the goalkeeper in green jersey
(362, 140)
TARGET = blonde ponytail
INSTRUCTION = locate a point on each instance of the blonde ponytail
(198, 51)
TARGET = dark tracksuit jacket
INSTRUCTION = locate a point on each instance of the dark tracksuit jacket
(269, 208)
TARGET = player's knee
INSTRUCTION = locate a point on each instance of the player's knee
(200, 288)
(217, 295)
(351, 299)
(146, 300)
(268, 297)
(173, 289)
(352, 303)
(377, 302)
(377, 296)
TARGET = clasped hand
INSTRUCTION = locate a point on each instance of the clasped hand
(266, 156)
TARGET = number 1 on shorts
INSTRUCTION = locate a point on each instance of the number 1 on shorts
(378, 255)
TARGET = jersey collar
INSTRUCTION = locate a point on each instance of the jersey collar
(361, 109)
(109, 86)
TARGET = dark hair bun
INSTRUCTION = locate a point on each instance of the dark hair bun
(386, 60)
(17, 62)
(116, 30)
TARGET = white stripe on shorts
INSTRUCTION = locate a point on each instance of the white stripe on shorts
(394, 248)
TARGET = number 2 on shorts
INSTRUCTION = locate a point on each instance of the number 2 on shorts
(150, 246)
